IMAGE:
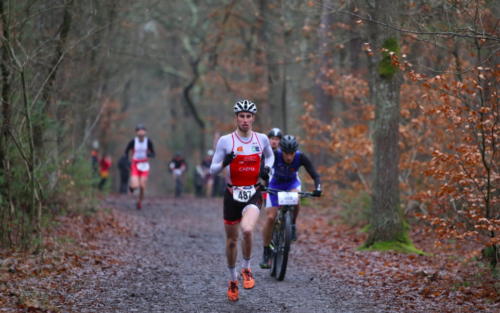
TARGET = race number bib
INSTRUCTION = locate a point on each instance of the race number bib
(288, 198)
(143, 166)
(177, 172)
(243, 194)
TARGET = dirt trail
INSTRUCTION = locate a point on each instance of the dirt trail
(177, 264)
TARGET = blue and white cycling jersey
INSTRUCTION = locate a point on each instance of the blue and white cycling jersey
(286, 176)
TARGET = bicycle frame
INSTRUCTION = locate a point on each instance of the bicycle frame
(281, 237)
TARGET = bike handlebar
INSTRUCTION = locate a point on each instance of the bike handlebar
(272, 191)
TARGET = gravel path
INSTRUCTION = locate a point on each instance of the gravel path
(177, 264)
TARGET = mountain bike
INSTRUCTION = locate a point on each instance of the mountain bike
(282, 230)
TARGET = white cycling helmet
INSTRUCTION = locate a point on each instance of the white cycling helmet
(245, 106)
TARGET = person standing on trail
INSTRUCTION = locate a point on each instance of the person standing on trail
(209, 179)
(142, 148)
(124, 167)
(178, 166)
(241, 152)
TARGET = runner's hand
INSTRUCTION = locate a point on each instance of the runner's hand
(228, 159)
(264, 173)
(316, 193)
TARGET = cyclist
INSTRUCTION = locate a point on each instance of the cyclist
(287, 161)
(142, 148)
(178, 166)
(241, 152)
(275, 135)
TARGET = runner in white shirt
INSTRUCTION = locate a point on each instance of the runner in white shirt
(142, 148)
(241, 152)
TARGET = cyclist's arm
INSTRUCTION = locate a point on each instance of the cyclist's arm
(130, 146)
(151, 149)
(223, 147)
(268, 152)
(306, 163)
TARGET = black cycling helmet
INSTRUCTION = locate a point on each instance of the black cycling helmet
(275, 132)
(289, 144)
(139, 127)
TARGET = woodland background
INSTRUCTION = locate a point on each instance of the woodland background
(395, 101)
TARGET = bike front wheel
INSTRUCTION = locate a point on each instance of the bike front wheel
(283, 248)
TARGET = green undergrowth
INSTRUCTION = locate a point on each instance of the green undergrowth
(402, 244)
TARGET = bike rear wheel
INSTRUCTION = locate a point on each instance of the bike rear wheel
(283, 247)
(275, 244)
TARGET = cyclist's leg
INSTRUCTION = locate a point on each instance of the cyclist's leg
(296, 186)
(271, 212)
(267, 232)
(296, 208)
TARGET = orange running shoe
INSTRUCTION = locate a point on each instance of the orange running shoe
(232, 291)
(248, 281)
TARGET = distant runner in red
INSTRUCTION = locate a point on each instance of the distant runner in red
(104, 165)
(142, 148)
(241, 152)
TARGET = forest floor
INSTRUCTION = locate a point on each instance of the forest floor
(169, 257)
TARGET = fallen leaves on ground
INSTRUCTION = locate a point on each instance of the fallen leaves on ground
(77, 249)
(439, 281)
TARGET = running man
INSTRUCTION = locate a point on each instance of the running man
(287, 161)
(142, 148)
(241, 152)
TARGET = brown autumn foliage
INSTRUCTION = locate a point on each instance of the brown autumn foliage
(77, 248)
(436, 282)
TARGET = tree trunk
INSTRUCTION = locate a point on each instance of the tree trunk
(323, 101)
(295, 78)
(273, 37)
(192, 107)
(6, 192)
(387, 224)
(49, 86)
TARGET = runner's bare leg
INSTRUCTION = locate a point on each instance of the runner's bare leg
(250, 217)
(143, 181)
(232, 233)
(134, 182)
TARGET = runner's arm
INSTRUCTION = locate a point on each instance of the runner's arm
(220, 152)
(151, 149)
(306, 163)
(130, 146)
(268, 152)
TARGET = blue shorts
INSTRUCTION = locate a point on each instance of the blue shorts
(272, 200)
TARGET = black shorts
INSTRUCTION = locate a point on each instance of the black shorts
(233, 209)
